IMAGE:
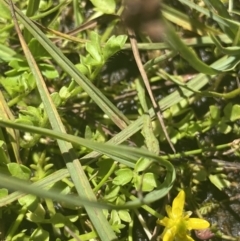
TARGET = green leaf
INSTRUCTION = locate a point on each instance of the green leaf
(149, 182)
(32, 111)
(6, 54)
(214, 112)
(60, 220)
(84, 69)
(121, 199)
(223, 127)
(232, 112)
(125, 216)
(106, 6)
(40, 234)
(30, 201)
(111, 193)
(62, 187)
(200, 174)
(123, 176)
(49, 71)
(56, 99)
(190, 129)
(228, 110)
(114, 217)
(141, 165)
(18, 84)
(24, 120)
(21, 237)
(19, 65)
(104, 166)
(113, 45)
(73, 218)
(89, 61)
(3, 192)
(117, 227)
(45, 5)
(5, 12)
(64, 93)
(10, 85)
(37, 50)
(93, 51)
(32, 114)
(19, 171)
(36, 215)
(219, 181)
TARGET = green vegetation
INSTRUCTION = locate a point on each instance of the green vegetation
(109, 109)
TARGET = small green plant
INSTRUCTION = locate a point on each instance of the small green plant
(64, 172)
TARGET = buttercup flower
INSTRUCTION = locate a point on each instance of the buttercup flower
(178, 224)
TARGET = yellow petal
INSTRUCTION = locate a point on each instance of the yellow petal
(165, 222)
(178, 204)
(169, 234)
(197, 223)
(169, 211)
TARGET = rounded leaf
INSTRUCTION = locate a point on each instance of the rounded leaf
(19, 171)
(124, 216)
(106, 6)
(123, 177)
(142, 164)
(3, 192)
(40, 234)
(149, 182)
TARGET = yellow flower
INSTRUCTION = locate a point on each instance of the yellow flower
(178, 224)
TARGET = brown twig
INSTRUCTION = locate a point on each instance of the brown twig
(147, 85)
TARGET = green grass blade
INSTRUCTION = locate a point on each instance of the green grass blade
(13, 136)
(16, 184)
(186, 22)
(233, 50)
(223, 64)
(43, 183)
(177, 44)
(227, 23)
(32, 9)
(218, 7)
(198, 41)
